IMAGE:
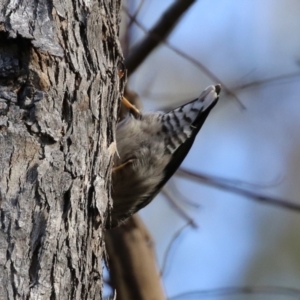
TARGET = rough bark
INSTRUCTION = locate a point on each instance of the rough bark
(59, 88)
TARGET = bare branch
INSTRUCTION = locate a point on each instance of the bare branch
(143, 47)
(132, 262)
(157, 34)
(269, 80)
(281, 79)
(125, 40)
(178, 209)
(182, 198)
(176, 235)
(208, 180)
(137, 11)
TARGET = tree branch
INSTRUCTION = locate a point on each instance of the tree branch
(208, 180)
(133, 268)
(158, 33)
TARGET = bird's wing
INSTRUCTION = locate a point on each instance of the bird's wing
(181, 126)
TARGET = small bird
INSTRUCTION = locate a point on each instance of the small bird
(150, 148)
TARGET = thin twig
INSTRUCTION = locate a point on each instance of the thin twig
(126, 39)
(267, 80)
(203, 68)
(279, 79)
(137, 11)
(171, 185)
(178, 209)
(138, 60)
(229, 187)
(176, 235)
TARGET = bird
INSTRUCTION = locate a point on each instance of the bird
(150, 148)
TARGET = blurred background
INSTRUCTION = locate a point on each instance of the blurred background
(253, 48)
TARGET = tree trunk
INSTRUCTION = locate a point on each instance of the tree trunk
(59, 89)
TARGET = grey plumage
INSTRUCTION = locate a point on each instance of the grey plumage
(149, 151)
